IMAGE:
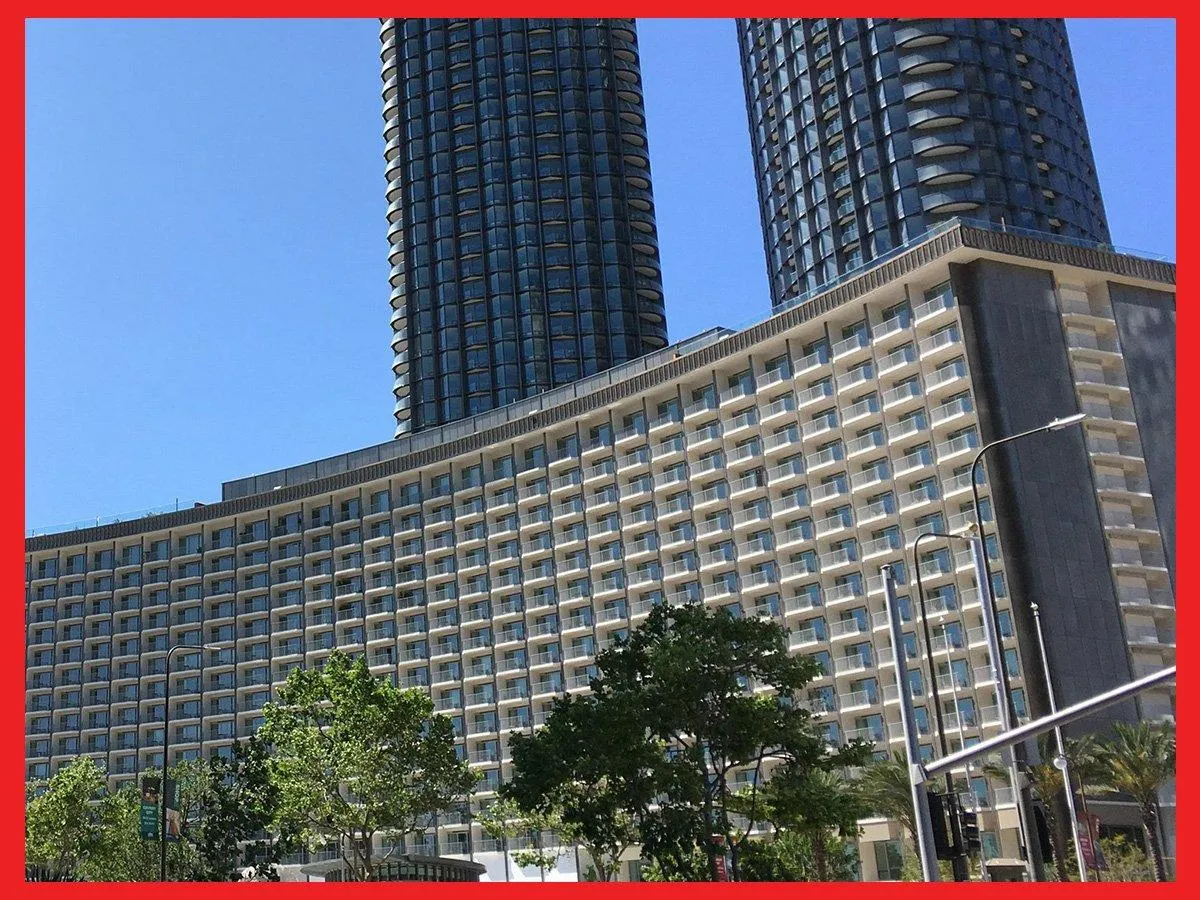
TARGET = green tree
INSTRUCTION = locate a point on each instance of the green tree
(791, 856)
(64, 820)
(352, 757)
(1125, 861)
(76, 829)
(594, 771)
(887, 789)
(699, 695)
(1086, 767)
(123, 855)
(504, 820)
(1046, 784)
(1087, 773)
(821, 806)
(1137, 761)
(235, 815)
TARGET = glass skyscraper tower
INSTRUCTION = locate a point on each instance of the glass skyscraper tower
(866, 132)
(523, 246)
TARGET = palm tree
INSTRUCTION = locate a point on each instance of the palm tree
(816, 803)
(887, 788)
(1137, 761)
(1046, 782)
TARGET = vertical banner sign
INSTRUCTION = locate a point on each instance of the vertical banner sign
(174, 819)
(1092, 856)
(719, 860)
(148, 812)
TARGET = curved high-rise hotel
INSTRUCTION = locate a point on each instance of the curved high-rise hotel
(559, 471)
(866, 132)
(522, 239)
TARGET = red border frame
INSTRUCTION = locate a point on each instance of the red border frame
(12, 368)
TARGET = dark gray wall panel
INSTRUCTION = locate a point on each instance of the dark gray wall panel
(1146, 326)
(1042, 488)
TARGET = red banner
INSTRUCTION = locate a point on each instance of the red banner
(1089, 828)
(722, 872)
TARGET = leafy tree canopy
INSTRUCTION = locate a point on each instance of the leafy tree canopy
(692, 696)
(353, 756)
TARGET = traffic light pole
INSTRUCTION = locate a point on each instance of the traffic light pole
(921, 773)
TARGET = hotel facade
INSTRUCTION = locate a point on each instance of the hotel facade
(772, 470)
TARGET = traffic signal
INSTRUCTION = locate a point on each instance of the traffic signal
(970, 831)
(937, 816)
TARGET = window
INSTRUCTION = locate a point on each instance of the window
(889, 859)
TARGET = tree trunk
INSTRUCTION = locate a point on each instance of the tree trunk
(709, 846)
(1060, 860)
(820, 868)
(1056, 846)
(1150, 826)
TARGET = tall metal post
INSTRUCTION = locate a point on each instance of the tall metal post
(959, 863)
(162, 790)
(978, 556)
(984, 573)
(928, 854)
(1061, 762)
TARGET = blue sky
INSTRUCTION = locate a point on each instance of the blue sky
(206, 244)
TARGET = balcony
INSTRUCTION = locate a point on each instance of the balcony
(736, 393)
(897, 360)
(1098, 344)
(835, 559)
(867, 478)
(847, 628)
(826, 457)
(804, 638)
(828, 492)
(940, 343)
(1147, 598)
(1081, 307)
(851, 347)
(1128, 519)
(1137, 557)
(1101, 444)
(849, 665)
(880, 547)
(957, 446)
(814, 394)
(787, 473)
(954, 409)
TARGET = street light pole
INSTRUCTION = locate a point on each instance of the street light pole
(984, 577)
(959, 862)
(162, 792)
(920, 798)
(1060, 762)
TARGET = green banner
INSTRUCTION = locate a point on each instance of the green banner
(148, 820)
